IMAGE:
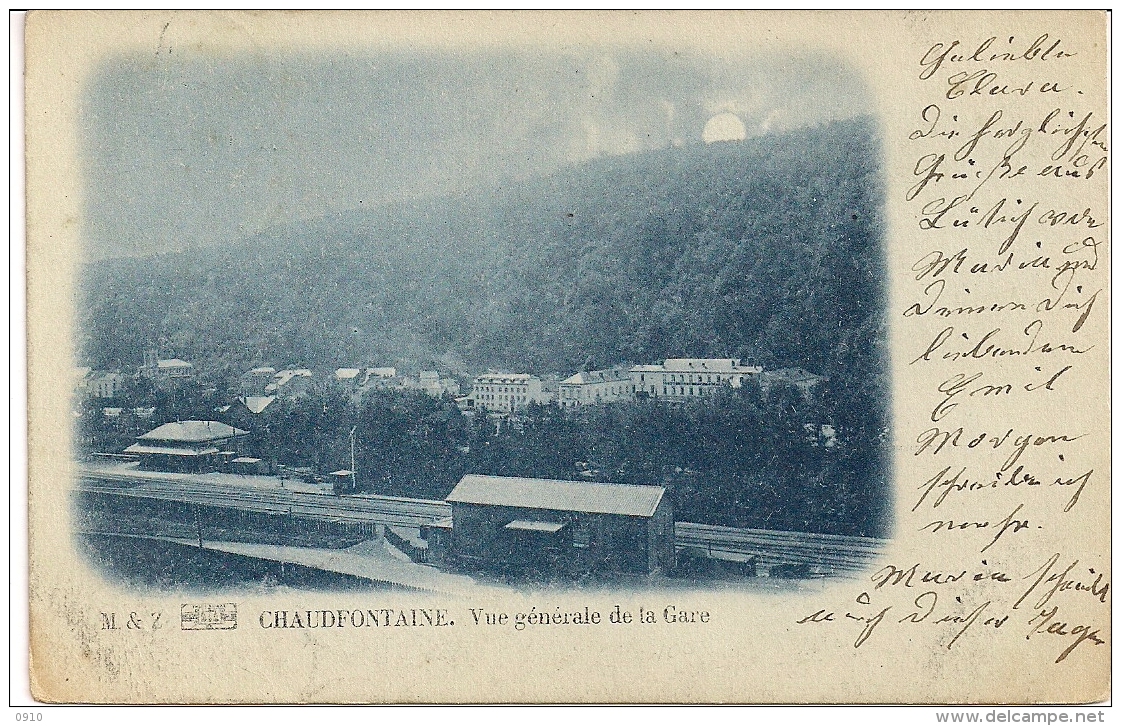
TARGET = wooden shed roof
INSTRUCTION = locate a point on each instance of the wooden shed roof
(558, 495)
(192, 432)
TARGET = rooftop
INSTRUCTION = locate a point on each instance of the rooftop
(283, 377)
(714, 365)
(504, 377)
(554, 494)
(192, 432)
(612, 375)
(173, 363)
(257, 404)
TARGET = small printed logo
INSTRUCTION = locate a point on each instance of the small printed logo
(221, 616)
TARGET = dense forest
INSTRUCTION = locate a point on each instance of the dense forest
(768, 249)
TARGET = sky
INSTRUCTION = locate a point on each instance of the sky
(181, 152)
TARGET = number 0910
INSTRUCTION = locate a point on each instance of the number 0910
(29, 715)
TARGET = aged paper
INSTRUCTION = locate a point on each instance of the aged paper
(568, 357)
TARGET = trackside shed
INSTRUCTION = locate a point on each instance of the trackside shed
(546, 524)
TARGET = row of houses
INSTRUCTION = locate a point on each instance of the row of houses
(268, 382)
(110, 384)
(674, 380)
(263, 382)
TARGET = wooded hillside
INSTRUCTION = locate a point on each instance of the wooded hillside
(769, 249)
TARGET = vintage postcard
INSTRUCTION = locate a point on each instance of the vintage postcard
(429, 357)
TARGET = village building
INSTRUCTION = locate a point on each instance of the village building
(436, 386)
(103, 384)
(506, 392)
(289, 383)
(449, 386)
(348, 376)
(255, 414)
(165, 369)
(592, 387)
(174, 368)
(189, 446)
(682, 379)
(382, 379)
(564, 526)
(379, 376)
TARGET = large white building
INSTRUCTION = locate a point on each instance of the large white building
(590, 387)
(505, 392)
(102, 384)
(680, 379)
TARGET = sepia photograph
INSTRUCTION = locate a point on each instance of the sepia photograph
(568, 357)
(598, 318)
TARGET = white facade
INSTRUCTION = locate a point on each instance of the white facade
(681, 379)
(505, 392)
(592, 387)
(104, 384)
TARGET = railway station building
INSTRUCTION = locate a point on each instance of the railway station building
(190, 446)
(549, 525)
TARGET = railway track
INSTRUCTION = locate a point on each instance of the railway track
(821, 553)
(381, 510)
